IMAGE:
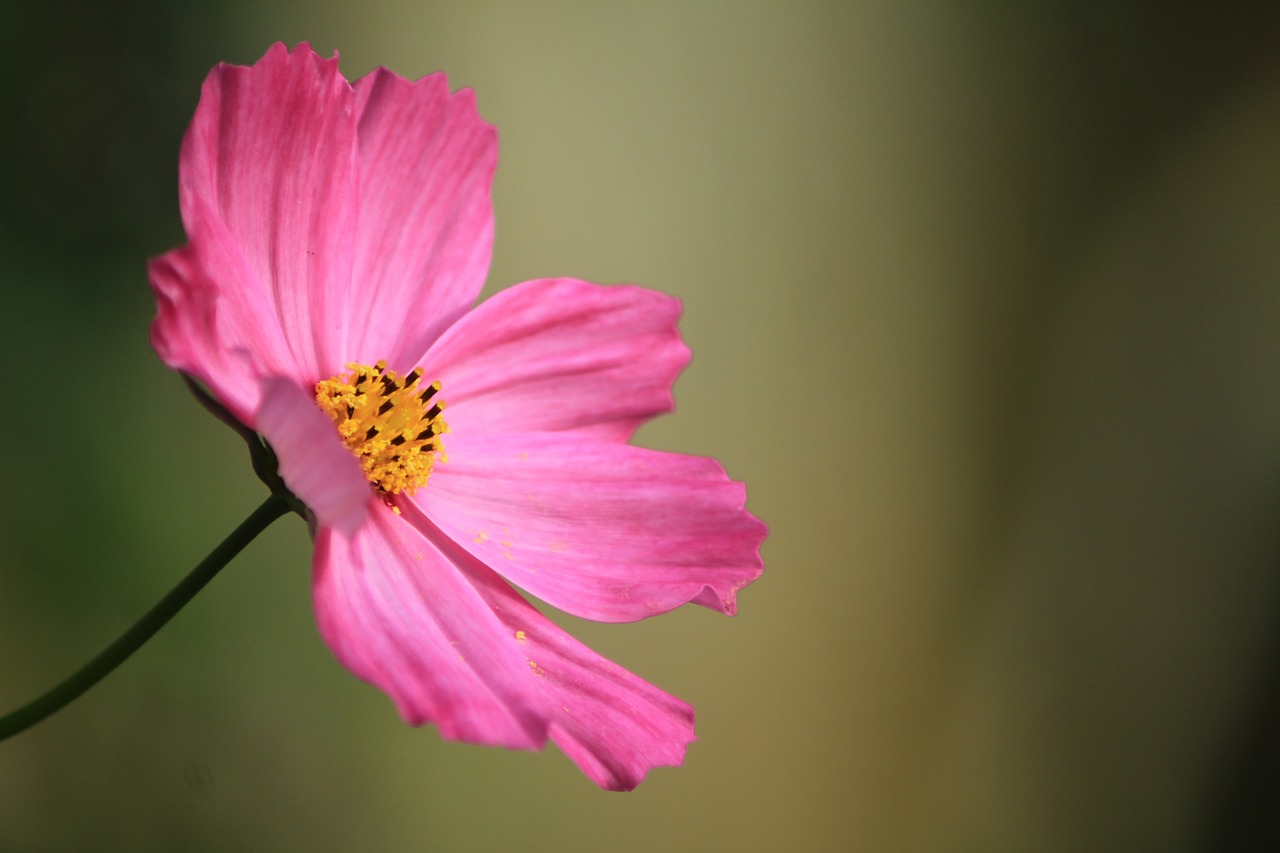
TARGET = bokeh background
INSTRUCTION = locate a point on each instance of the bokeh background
(984, 305)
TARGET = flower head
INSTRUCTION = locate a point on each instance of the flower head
(339, 234)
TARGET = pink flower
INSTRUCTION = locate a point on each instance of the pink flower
(339, 234)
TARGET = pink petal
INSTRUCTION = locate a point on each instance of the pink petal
(396, 612)
(426, 221)
(560, 354)
(218, 327)
(187, 336)
(268, 190)
(601, 530)
(314, 463)
(612, 724)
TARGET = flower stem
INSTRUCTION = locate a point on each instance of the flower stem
(131, 640)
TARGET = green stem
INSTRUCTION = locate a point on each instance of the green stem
(130, 641)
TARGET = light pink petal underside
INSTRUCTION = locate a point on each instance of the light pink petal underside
(425, 229)
(314, 463)
(268, 193)
(601, 530)
(396, 612)
(560, 354)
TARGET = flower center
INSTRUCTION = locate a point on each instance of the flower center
(390, 423)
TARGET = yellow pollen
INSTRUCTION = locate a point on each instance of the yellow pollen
(391, 423)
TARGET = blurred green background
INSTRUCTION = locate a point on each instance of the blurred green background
(984, 305)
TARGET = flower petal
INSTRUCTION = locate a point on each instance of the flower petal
(561, 354)
(397, 612)
(614, 725)
(268, 175)
(313, 462)
(425, 228)
(601, 530)
(188, 336)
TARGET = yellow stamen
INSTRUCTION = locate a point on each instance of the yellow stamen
(392, 424)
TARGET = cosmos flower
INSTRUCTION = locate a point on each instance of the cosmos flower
(339, 234)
